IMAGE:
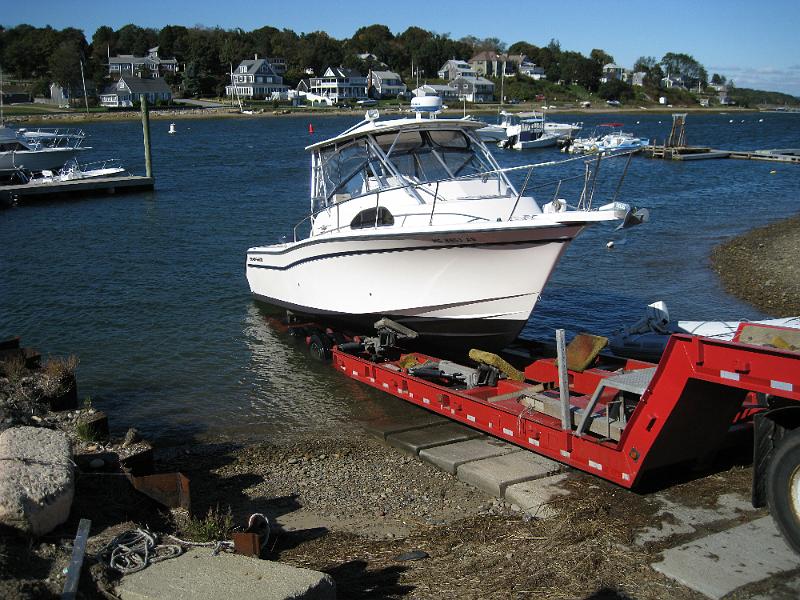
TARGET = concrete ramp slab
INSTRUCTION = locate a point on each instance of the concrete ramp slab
(494, 475)
(448, 458)
(198, 575)
(428, 437)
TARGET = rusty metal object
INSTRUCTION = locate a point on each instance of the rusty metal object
(169, 489)
(247, 544)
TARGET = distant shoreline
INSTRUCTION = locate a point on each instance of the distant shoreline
(227, 112)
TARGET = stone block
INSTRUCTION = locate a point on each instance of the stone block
(428, 437)
(37, 481)
(448, 458)
(494, 475)
(534, 496)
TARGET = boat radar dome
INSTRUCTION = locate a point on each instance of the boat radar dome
(426, 104)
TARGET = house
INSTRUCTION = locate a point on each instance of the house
(531, 70)
(670, 81)
(255, 79)
(610, 72)
(339, 84)
(61, 96)
(637, 78)
(492, 64)
(278, 65)
(15, 93)
(130, 89)
(453, 69)
(144, 66)
(431, 89)
(474, 89)
(385, 84)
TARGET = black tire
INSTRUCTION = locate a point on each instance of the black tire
(319, 347)
(783, 488)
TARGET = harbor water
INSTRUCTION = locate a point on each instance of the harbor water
(149, 289)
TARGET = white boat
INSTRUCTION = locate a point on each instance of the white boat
(413, 219)
(525, 132)
(17, 152)
(489, 132)
(647, 338)
(615, 140)
(72, 171)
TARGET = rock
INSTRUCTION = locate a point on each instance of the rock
(413, 555)
(37, 481)
(131, 437)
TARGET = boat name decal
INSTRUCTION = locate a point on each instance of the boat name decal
(256, 259)
(453, 240)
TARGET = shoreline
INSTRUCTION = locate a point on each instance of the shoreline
(760, 267)
(231, 112)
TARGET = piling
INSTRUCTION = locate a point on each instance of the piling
(148, 163)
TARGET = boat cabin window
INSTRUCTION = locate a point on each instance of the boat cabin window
(366, 218)
(368, 164)
(11, 146)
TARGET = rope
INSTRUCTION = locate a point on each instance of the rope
(135, 549)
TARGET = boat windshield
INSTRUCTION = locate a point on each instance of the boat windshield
(395, 159)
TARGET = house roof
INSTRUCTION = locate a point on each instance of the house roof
(139, 60)
(438, 87)
(254, 65)
(459, 64)
(386, 75)
(343, 72)
(474, 80)
(140, 85)
(488, 55)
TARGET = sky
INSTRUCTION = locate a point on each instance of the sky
(752, 43)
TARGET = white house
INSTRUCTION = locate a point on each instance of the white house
(531, 70)
(338, 84)
(453, 69)
(432, 89)
(130, 89)
(386, 84)
(255, 78)
(474, 89)
(611, 71)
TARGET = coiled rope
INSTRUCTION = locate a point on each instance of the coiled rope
(133, 550)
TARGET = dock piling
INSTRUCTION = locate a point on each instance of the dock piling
(148, 162)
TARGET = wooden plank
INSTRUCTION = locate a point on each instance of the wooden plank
(76, 562)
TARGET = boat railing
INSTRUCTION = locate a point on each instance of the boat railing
(591, 171)
(48, 137)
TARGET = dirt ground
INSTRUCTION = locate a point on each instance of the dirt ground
(762, 267)
(351, 507)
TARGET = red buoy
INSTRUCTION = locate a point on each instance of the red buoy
(310, 128)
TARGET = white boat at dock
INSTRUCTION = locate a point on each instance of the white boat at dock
(73, 171)
(602, 142)
(525, 132)
(36, 151)
(414, 220)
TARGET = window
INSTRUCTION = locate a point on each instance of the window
(366, 219)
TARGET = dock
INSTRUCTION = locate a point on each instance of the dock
(11, 194)
(676, 148)
(790, 155)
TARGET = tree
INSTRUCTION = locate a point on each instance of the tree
(684, 65)
(644, 64)
(615, 89)
(601, 57)
(65, 65)
(373, 39)
(525, 48)
(718, 79)
(133, 39)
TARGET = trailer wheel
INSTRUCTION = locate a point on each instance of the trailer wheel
(783, 488)
(318, 349)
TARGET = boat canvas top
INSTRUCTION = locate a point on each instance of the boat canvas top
(369, 126)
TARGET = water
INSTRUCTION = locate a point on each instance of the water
(149, 289)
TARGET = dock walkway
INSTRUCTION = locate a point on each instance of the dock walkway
(11, 194)
(791, 156)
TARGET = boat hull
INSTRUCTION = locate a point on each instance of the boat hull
(457, 290)
(46, 159)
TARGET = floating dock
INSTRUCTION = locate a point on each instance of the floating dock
(11, 194)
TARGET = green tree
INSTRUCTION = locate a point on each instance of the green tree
(601, 57)
(64, 64)
(525, 48)
(616, 90)
(132, 39)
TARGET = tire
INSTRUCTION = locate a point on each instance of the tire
(319, 348)
(783, 488)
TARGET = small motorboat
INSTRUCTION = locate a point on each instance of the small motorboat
(72, 171)
(647, 338)
(525, 132)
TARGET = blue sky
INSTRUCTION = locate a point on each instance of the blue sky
(753, 43)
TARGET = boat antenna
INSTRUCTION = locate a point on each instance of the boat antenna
(2, 116)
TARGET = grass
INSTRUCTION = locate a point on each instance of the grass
(57, 374)
(87, 432)
(215, 526)
(14, 369)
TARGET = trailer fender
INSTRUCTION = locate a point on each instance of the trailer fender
(770, 427)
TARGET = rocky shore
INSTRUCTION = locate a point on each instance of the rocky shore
(762, 268)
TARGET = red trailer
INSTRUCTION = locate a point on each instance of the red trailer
(620, 420)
